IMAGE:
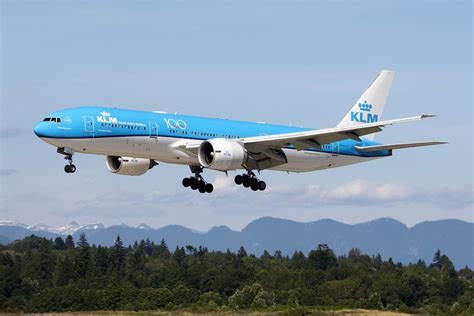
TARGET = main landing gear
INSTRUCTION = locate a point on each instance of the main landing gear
(197, 182)
(250, 180)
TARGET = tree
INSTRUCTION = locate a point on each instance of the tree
(253, 295)
(266, 255)
(298, 260)
(69, 242)
(63, 271)
(83, 260)
(45, 267)
(241, 253)
(34, 278)
(437, 260)
(102, 260)
(179, 256)
(9, 276)
(162, 250)
(118, 257)
(59, 244)
(322, 258)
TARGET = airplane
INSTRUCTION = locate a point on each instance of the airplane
(135, 141)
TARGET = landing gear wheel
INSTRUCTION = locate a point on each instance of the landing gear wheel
(238, 179)
(202, 186)
(262, 185)
(254, 186)
(67, 168)
(254, 182)
(194, 183)
(246, 180)
(186, 182)
(72, 168)
(209, 188)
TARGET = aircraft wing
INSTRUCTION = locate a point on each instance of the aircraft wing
(396, 146)
(316, 138)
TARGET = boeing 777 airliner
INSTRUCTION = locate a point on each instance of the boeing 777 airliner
(134, 141)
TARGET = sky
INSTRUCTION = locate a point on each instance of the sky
(303, 63)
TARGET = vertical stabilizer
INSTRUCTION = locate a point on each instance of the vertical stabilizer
(369, 107)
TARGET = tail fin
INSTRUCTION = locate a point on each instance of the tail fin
(369, 107)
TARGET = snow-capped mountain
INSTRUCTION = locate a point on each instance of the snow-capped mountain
(73, 227)
(12, 223)
(68, 229)
(42, 227)
(143, 226)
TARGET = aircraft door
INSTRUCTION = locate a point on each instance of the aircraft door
(153, 129)
(88, 124)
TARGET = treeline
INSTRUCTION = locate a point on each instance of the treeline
(41, 275)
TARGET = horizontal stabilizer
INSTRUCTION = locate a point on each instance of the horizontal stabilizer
(397, 146)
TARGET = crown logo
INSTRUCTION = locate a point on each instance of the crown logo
(365, 106)
(104, 113)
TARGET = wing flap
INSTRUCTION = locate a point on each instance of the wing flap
(397, 146)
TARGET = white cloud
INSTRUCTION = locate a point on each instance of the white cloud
(362, 192)
(392, 191)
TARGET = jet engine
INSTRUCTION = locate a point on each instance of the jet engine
(222, 154)
(129, 166)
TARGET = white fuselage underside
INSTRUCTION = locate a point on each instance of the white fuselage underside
(164, 149)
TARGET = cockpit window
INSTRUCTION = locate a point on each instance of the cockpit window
(52, 119)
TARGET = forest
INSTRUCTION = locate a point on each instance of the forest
(41, 275)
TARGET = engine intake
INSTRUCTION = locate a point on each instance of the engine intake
(129, 166)
(222, 154)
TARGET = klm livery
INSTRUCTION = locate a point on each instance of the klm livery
(133, 141)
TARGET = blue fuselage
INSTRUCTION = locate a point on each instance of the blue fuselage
(103, 122)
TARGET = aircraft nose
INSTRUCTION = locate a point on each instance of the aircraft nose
(40, 129)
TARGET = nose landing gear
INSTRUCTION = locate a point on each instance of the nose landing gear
(70, 167)
(197, 182)
(249, 180)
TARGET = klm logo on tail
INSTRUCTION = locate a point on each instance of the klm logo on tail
(364, 115)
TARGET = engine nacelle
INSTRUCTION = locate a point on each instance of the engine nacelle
(129, 166)
(221, 154)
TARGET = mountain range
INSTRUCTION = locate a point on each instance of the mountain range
(386, 236)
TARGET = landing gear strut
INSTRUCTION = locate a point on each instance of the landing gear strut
(70, 167)
(197, 182)
(250, 180)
